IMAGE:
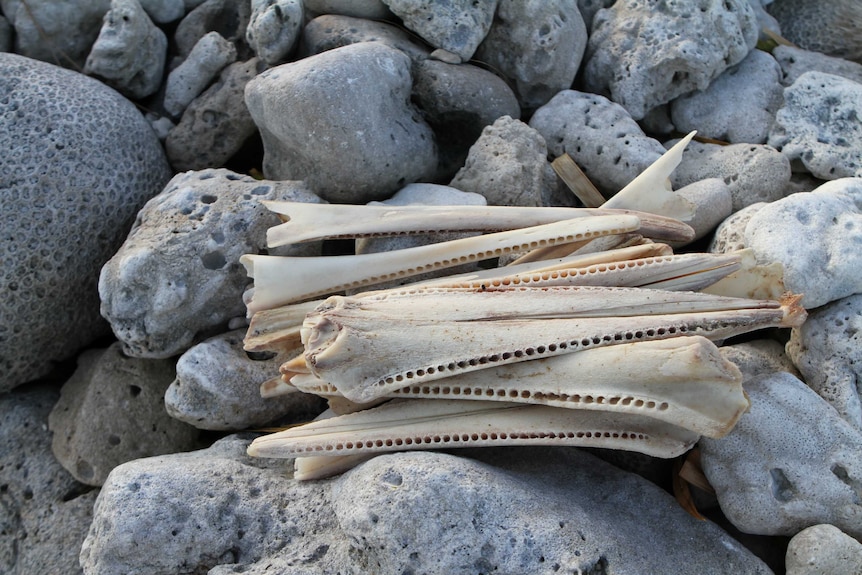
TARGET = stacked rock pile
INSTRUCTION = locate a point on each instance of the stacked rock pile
(138, 139)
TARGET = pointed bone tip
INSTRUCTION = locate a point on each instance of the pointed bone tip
(794, 314)
(247, 260)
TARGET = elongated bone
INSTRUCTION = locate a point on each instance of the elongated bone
(683, 380)
(369, 347)
(435, 424)
(310, 222)
(282, 280)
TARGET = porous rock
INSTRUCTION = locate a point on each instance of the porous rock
(457, 26)
(820, 125)
(129, 54)
(823, 550)
(422, 195)
(342, 121)
(185, 82)
(78, 162)
(602, 138)
(177, 278)
(218, 387)
(641, 56)
(795, 61)
(44, 512)
(61, 33)
(827, 350)
(334, 31)
(759, 357)
(730, 234)
(370, 9)
(508, 165)
(816, 237)
(790, 462)
(754, 172)
(400, 512)
(829, 26)
(458, 101)
(537, 45)
(588, 9)
(227, 17)
(164, 11)
(273, 29)
(112, 410)
(738, 107)
(712, 201)
(216, 124)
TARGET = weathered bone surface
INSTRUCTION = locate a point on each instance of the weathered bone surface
(369, 346)
(283, 280)
(433, 424)
(307, 222)
(682, 380)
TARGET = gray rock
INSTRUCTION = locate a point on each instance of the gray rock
(458, 26)
(827, 350)
(730, 234)
(712, 201)
(815, 236)
(507, 164)
(599, 135)
(58, 32)
(759, 357)
(738, 106)
(6, 34)
(44, 512)
(823, 550)
(177, 277)
(522, 511)
(819, 125)
(111, 411)
(216, 124)
(129, 54)
(754, 172)
(588, 9)
(273, 29)
(675, 50)
(828, 26)
(218, 387)
(790, 462)
(373, 141)
(210, 55)
(795, 61)
(164, 11)
(458, 101)
(333, 31)
(422, 195)
(370, 9)
(78, 162)
(227, 17)
(537, 45)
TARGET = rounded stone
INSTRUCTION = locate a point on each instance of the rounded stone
(342, 121)
(78, 162)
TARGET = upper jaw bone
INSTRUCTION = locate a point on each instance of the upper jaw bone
(282, 280)
(433, 424)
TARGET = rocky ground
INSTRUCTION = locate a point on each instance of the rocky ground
(139, 138)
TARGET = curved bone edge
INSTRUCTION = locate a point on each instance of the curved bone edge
(283, 280)
(753, 280)
(683, 381)
(435, 424)
(581, 248)
(321, 467)
(277, 329)
(367, 360)
(311, 222)
(276, 387)
(685, 272)
(651, 190)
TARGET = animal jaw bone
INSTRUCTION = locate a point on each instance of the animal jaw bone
(369, 346)
(434, 424)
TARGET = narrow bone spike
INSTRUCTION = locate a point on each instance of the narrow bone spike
(683, 381)
(577, 248)
(294, 366)
(277, 329)
(310, 468)
(282, 280)
(367, 353)
(435, 424)
(651, 190)
(276, 387)
(310, 222)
